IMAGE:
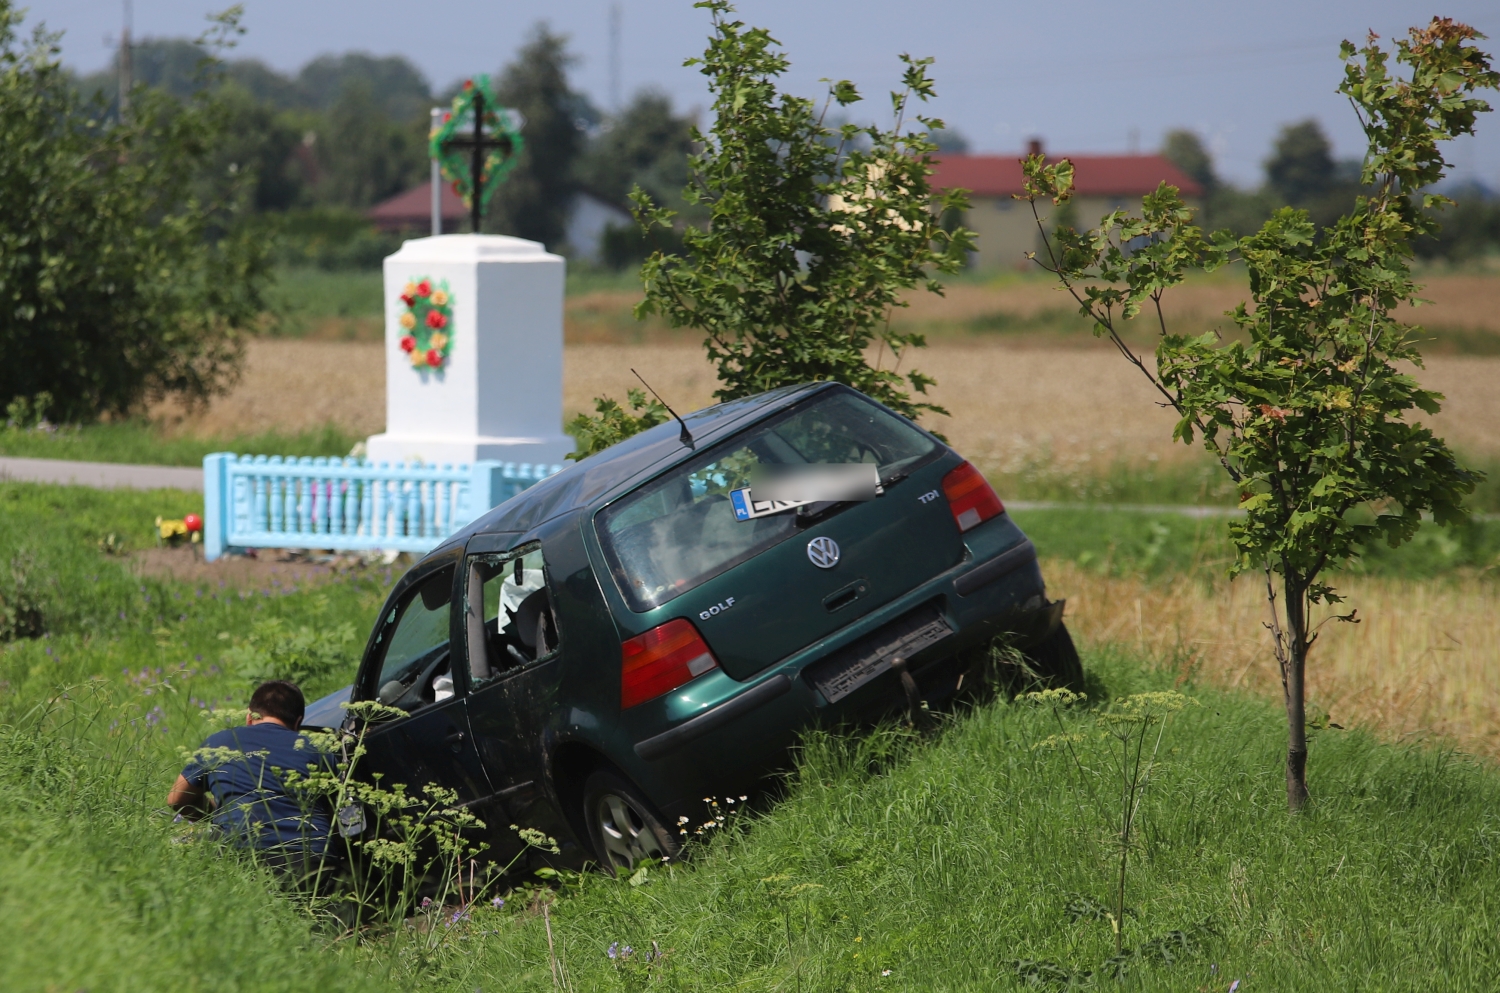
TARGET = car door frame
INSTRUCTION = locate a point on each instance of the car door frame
(517, 759)
(478, 782)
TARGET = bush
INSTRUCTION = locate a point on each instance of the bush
(127, 271)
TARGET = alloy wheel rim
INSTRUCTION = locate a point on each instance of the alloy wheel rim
(627, 837)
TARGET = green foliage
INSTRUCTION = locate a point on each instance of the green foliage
(125, 273)
(366, 156)
(885, 851)
(1185, 150)
(534, 200)
(946, 861)
(647, 145)
(815, 229)
(1301, 164)
(1312, 414)
(315, 657)
(612, 423)
(398, 839)
(1470, 231)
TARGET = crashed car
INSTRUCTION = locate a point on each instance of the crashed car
(645, 629)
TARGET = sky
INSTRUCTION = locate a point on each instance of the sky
(1084, 76)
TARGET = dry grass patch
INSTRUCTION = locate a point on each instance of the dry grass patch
(1422, 662)
(1080, 407)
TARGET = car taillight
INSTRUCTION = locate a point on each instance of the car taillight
(661, 660)
(970, 497)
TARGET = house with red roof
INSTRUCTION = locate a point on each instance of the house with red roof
(589, 217)
(1005, 227)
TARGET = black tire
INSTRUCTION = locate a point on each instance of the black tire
(622, 824)
(1056, 661)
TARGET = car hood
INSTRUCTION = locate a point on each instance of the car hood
(327, 712)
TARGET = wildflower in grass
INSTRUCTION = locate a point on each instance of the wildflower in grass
(885, 972)
(458, 915)
(426, 902)
(497, 902)
(613, 950)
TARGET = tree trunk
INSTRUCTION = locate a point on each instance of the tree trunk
(1294, 680)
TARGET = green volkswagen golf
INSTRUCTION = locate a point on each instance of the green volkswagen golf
(657, 623)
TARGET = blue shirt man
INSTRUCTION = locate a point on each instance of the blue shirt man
(238, 777)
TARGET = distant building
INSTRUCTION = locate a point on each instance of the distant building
(1005, 227)
(589, 217)
(411, 212)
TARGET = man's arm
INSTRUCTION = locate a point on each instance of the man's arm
(189, 800)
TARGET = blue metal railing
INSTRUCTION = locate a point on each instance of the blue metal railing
(259, 501)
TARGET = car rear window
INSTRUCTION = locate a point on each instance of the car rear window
(679, 530)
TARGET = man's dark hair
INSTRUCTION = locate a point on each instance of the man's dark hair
(280, 699)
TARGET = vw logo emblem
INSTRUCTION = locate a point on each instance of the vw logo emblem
(823, 552)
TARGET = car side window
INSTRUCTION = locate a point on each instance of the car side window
(508, 616)
(415, 669)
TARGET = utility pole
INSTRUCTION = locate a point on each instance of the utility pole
(125, 67)
(614, 58)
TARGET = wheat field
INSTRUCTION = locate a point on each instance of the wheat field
(1422, 661)
(1077, 404)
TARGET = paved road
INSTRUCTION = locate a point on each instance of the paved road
(101, 475)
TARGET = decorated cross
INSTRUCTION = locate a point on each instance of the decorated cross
(476, 145)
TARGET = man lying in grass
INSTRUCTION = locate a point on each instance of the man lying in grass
(237, 778)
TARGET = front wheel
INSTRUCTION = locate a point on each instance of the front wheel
(623, 826)
(1055, 660)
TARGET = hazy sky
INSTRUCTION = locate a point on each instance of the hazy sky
(1083, 75)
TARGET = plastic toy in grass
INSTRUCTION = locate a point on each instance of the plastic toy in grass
(173, 532)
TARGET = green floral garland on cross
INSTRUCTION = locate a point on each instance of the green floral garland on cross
(477, 144)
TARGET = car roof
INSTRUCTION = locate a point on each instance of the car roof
(618, 467)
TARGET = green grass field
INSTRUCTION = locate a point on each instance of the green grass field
(944, 858)
(145, 443)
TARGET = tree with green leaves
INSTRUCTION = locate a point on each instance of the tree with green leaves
(814, 230)
(126, 272)
(1185, 150)
(1309, 405)
(365, 155)
(533, 201)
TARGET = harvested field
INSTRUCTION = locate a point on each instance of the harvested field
(1008, 401)
(1422, 662)
(1470, 302)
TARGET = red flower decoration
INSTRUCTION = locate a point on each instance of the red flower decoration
(434, 357)
(408, 343)
(407, 299)
(424, 288)
(436, 320)
(193, 522)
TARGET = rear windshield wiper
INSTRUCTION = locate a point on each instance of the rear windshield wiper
(886, 482)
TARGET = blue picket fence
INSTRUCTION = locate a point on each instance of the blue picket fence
(260, 501)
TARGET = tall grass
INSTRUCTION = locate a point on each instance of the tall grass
(947, 862)
(945, 858)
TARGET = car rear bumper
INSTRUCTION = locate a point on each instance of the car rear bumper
(737, 740)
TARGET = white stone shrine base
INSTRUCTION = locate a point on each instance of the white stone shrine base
(448, 450)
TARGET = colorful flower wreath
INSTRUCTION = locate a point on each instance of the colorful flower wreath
(426, 321)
